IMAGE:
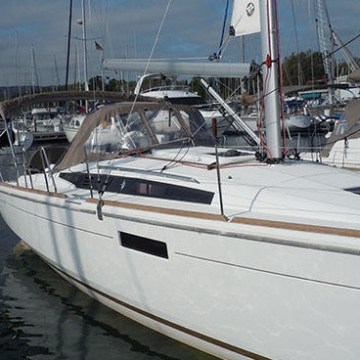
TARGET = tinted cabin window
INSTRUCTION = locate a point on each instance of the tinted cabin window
(139, 187)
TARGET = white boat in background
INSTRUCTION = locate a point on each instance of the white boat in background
(177, 94)
(14, 143)
(20, 138)
(297, 120)
(241, 254)
(47, 124)
(23, 139)
(46, 119)
(342, 145)
(72, 127)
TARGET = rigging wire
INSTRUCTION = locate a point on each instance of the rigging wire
(223, 28)
(344, 45)
(173, 160)
(152, 51)
(299, 69)
(216, 56)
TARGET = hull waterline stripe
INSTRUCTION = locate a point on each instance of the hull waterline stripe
(170, 324)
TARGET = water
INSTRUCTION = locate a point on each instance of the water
(43, 317)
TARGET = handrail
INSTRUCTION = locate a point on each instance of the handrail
(149, 172)
(6, 122)
(46, 159)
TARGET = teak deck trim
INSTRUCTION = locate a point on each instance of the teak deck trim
(36, 191)
(168, 211)
(318, 229)
(238, 220)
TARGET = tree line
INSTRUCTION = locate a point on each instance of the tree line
(304, 68)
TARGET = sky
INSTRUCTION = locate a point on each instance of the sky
(33, 34)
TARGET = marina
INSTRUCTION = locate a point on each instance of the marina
(144, 226)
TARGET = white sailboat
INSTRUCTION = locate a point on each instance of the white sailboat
(21, 139)
(212, 112)
(239, 258)
(342, 147)
(72, 127)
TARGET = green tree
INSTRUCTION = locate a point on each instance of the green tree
(305, 66)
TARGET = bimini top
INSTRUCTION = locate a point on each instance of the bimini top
(123, 128)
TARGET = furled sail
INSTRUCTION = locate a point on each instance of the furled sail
(245, 17)
(179, 68)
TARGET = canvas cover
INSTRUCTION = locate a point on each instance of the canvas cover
(129, 128)
(347, 128)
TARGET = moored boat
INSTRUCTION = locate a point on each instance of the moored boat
(242, 254)
(72, 127)
(146, 234)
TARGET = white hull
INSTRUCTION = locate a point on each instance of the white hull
(293, 123)
(210, 112)
(71, 128)
(275, 277)
(46, 119)
(231, 288)
(70, 132)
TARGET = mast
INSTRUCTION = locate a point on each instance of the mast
(35, 76)
(85, 46)
(17, 71)
(85, 54)
(57, 77)
(68, 47)
(324, 35)
(299, 70)
(348, 57)
(269, 42)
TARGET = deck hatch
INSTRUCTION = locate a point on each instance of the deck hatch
(142, 244)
